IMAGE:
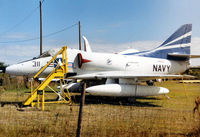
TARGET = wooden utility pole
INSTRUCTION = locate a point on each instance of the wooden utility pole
(79, 24)
(78, 133)
(40, 27)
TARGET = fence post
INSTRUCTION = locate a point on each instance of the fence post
(78, 133)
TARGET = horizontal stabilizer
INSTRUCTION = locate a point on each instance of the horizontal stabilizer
(194, 56)
(181, 56)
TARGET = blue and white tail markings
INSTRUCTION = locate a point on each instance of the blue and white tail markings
(178, 43)
(183, 34)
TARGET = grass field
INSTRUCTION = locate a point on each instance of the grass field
(150, 116)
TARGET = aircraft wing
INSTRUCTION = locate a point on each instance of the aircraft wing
(127, 75)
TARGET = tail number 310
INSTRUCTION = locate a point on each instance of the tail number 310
(36, 63)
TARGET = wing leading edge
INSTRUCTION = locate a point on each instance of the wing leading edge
(127, 75)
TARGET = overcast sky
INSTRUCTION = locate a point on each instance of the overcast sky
(109, 25)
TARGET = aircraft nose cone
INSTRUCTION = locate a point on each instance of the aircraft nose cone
(13, 69)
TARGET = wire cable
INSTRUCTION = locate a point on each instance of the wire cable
(20, 22)
(64, 29)
(45, 36)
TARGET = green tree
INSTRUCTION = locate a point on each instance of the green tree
(193, 71)
(2, 64)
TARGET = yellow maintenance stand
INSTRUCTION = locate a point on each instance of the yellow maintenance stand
(58, 73)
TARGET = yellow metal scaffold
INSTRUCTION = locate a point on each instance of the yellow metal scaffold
(58, 73)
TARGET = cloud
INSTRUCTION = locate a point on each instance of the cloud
(145, 45)
(113, 48)
(13, 54)
(16, 36)
(195, 50)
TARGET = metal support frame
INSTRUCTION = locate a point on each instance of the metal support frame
(58, 73)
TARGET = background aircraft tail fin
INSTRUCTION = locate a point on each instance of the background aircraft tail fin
(87, 47)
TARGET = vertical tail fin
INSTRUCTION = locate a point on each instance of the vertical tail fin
(178, 43)
(180, 39)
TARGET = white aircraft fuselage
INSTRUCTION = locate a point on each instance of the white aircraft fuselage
(101, 62)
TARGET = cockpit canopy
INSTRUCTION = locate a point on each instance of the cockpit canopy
(51, 52)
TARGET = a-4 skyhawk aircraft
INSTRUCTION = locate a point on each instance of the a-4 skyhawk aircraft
(124, 71)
